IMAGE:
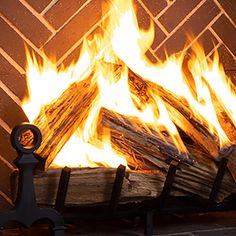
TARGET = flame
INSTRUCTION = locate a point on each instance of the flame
(125, 44)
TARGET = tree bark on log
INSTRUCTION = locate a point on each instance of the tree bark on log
(179, 112)
(197, 178)
(149, 141)
(60, 119)
(94, 185)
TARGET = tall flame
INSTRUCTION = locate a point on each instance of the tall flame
(125, 44)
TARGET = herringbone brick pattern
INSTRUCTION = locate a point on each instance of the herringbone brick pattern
(58, 26)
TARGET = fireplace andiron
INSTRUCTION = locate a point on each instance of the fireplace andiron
(26, 210)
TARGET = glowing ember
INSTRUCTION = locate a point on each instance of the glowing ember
(206, 94)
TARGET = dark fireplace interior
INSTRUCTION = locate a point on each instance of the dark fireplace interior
(55, 29)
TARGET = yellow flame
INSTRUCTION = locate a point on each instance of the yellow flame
(125, 45)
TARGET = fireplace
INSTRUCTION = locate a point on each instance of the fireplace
(61, 26)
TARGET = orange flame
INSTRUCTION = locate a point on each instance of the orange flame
(124, 43)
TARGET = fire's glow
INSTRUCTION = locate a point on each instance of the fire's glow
(125, 44)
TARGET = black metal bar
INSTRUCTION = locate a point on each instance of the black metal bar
(167, 185)
(218, 180)
(149, 226)
(62, 189)
(117, 186)
(160, 201)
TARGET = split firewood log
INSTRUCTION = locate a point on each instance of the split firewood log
(94, 185)
(146, 139)
(196, 178)
(179, 112)
(61, 118)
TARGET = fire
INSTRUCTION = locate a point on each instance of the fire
(124, 44)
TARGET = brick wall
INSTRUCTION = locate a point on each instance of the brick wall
(57, 27)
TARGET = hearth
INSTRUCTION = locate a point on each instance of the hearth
(172, 144)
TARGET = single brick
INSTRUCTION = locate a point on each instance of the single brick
(177, 12)
(230, 7)
(74, 30)
(194, 26)
(155, 7)
(13, 44)
(6, 149)
(144, 23)
(5, 171)
(39, 6)
(28, 24)
(12, 78)
(227, 32)
(4, 204)
(232, 75)
(75, 54)
(150, 56)
(226, 58)
(207, 40)
(10, 112)
(59, 13)
(9, 154)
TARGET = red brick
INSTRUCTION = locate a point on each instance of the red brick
(150, 56)
(227, 32)
(74, 30)
(232, 75)
(12, 78)
(226, 58)
(144, 23)
(230, 7)
(59, 13)
(13, 44)
(195, 25)
(5, 178)
(25, 21)
(10, 112)
(6, 149)
(208, 41)
(9, 154)
(176, 13)
(39, 6)
(155, 7)
(4, 205)
(75, 54)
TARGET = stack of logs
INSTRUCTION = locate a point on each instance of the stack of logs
(148, 155)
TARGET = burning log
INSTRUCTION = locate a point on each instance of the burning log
(94, 185)
(89, 186)
(179, 112)
(132, 131)
(156, 154)
(60, 119)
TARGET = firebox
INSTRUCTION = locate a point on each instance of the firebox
(134, 100)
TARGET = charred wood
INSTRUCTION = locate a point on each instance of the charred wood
(60, 119)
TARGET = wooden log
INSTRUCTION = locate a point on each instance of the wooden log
(60, 119)
(180, 113)
(200, 176)
(232, 162)
(147, 141)
(197, 178)
(230, 130)
(94, 185)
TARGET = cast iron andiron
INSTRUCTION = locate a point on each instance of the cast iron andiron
(26, 210)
